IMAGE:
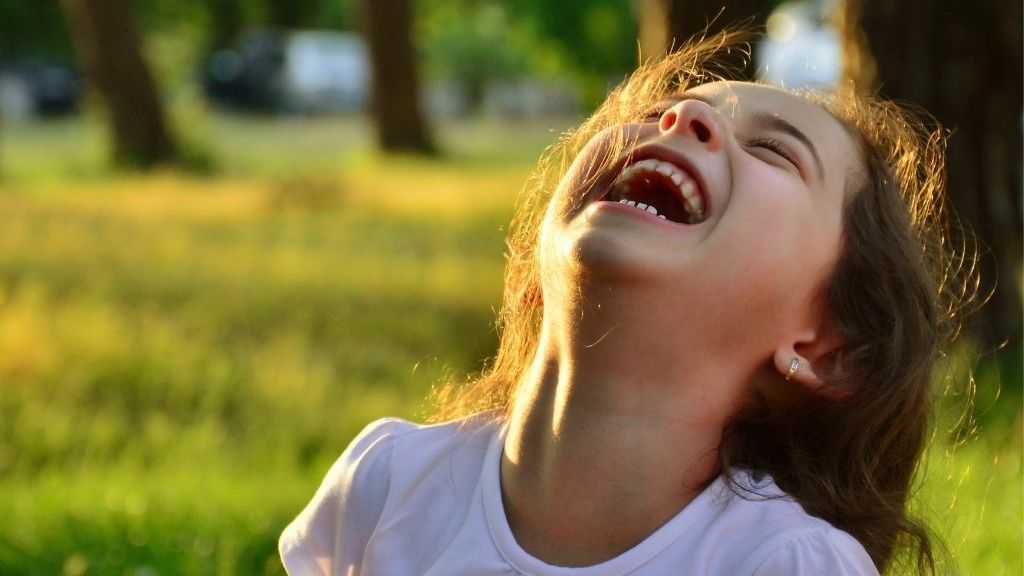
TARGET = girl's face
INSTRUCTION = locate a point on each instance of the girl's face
(745, 187)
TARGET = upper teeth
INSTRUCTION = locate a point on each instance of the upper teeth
(692, 200)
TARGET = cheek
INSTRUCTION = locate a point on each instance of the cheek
(780, 244)
(591, 165)
(767, 212)
(780, 208)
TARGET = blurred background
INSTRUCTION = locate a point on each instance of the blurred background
(232, 232)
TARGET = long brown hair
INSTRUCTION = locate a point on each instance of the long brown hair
(894, 299)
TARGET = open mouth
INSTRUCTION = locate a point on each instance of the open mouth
(662, 189)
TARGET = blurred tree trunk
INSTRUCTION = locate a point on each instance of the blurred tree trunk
(961, 61)
(667, 24)
(109, 50)
(396, 107)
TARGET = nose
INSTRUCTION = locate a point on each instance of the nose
(693, 119)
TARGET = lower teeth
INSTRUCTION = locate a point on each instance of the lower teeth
(691, 218)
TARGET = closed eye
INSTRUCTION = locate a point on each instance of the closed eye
(776, 147)
(654, 114)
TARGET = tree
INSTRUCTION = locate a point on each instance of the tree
(962, 62)
(109, 51)
(395, 86)
(665, 24)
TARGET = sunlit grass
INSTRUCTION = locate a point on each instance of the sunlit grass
(973, 493)
(182, 355)
(981, 487)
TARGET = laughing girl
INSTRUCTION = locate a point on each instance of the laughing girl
(722, 306)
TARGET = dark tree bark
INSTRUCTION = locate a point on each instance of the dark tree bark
(109, 50)
(396, 107)
(962, 62)
(667, 24)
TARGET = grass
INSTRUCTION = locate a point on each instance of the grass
(182, 356)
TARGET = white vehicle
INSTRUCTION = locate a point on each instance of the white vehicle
(325, 71)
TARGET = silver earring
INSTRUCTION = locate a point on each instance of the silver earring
(794, 365)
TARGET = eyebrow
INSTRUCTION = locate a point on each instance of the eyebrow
(770, 122)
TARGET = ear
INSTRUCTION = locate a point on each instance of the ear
(815, 355)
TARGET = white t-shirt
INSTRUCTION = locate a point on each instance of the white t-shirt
(411, 500)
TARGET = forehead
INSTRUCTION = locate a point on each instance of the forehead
(743, 100)
(733, 97)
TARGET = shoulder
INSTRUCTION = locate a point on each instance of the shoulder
(780, 537)
(822, 551)
(425, 444)
(347, 504)
(438, 465)
(389, 447)
(384, 462)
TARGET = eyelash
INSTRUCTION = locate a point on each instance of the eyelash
(653, 114)
(776, 147)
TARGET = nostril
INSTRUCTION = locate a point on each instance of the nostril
(700, 131)
(668, 120)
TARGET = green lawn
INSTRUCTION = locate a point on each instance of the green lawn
(182, 356)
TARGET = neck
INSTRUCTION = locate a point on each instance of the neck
(615, 429)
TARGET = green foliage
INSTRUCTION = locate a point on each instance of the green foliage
(597, 37)
(472, 44)
(337, 15)
(995, 406)
(290, 14)
(33, 29)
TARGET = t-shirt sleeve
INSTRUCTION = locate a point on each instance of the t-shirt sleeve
(330, 534)
(820, 553)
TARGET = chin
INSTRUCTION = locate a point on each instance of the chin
(608, 256)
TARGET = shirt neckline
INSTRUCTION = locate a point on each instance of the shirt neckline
(690, 517)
